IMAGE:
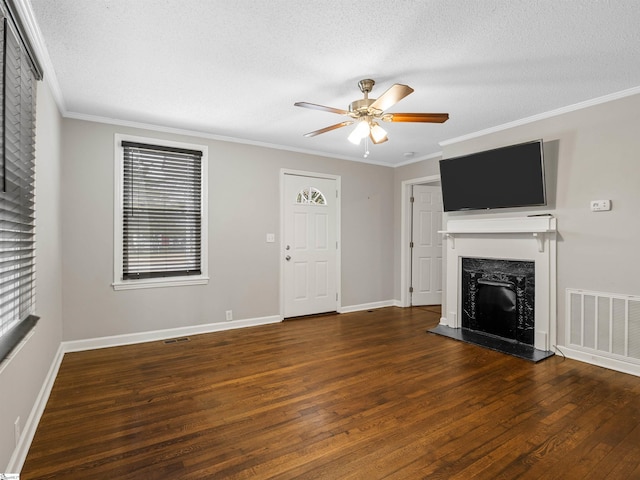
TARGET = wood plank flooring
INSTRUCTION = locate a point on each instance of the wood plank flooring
(365, 395)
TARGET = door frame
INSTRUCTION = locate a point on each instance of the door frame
(405, 235)
(302, 173)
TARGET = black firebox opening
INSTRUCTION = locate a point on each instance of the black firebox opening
(496, 308)
(498, 298)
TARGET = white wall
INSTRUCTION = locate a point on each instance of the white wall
(244, 205)
(21, 378)
(590, 154)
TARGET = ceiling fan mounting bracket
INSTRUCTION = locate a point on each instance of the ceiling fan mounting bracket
(361, 108)
(366, 85)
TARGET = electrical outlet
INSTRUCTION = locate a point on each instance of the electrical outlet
(600, 205)
(271, 237)
(17, 430)
(229, 314)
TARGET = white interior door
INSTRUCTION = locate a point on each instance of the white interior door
(426, 254)
(310, 245)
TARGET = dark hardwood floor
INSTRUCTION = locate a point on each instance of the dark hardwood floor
(365, 395)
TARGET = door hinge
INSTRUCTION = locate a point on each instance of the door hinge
(410, 289)
(336, 296)
(412, 199)
(410, 244)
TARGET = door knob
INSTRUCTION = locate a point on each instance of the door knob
(287, 258)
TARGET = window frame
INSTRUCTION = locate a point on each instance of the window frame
(174, 281)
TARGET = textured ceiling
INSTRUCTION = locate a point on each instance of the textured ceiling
(235, 68)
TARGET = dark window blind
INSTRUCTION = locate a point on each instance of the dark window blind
(162, 211)
(17, 212)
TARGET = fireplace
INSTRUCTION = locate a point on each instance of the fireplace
(500, 279)
(498, 298)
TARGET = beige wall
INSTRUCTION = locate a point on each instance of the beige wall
(23, 376)
(244, 205)
(590, 154)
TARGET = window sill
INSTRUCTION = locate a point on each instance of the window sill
(13, 340)
(159, 282)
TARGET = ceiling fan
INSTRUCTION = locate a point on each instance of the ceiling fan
(368, 111)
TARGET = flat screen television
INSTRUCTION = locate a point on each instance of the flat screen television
(510, 176)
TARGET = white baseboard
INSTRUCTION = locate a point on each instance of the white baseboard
(20, 453)
(601, 361)
(370, 306)
(133, 338)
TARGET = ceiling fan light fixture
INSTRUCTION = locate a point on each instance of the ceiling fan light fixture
(378, 134)
(367, 112)
(361, 131)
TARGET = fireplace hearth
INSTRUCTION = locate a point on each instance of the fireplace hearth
(493, 342)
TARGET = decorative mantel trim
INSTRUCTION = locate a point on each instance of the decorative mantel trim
(543, 223)
(538, 226)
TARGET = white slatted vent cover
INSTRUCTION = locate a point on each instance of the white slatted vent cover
(605, 323)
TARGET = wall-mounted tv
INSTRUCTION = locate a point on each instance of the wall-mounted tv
(510, 176)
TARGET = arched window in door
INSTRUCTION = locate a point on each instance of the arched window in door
(312, 196)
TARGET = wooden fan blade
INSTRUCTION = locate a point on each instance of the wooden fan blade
(392, 96)
(417, 117)
(321, 107)
(327, 129)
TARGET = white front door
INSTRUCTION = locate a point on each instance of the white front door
(310, 245)
(426, 254)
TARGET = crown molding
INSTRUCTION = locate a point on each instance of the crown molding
(543, 116)
(211, 136)
(430, 156)
(37, 41)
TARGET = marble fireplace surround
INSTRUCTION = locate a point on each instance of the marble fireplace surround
(520, 238)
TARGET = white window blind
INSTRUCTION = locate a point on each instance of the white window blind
(17, 203)
(161, 211)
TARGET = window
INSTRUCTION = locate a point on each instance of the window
(160, 213)
(17, 192)
(311, 195)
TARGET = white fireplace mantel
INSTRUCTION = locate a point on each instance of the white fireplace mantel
(537, 226)
(509, 239)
